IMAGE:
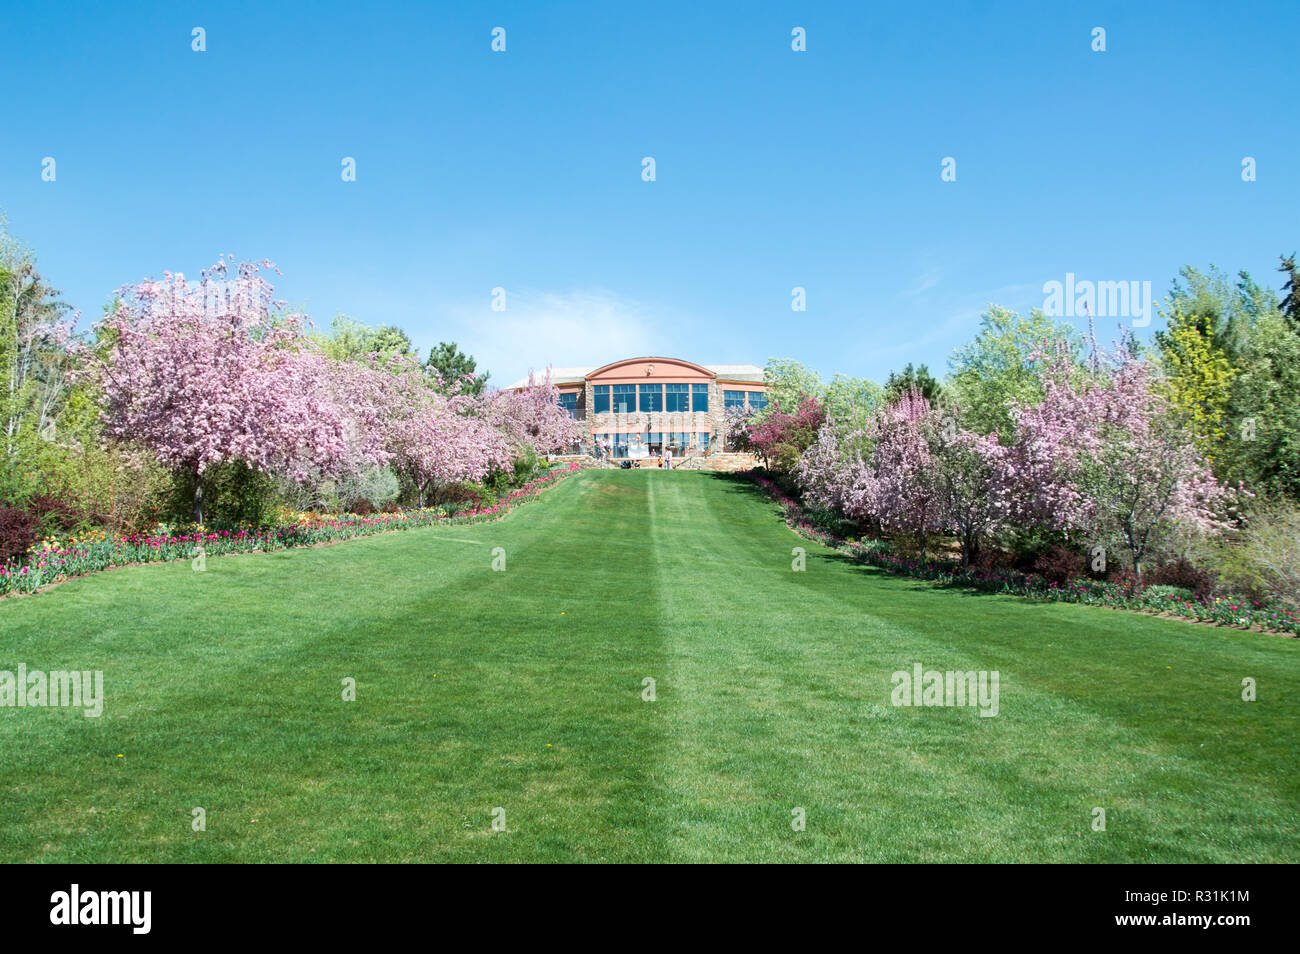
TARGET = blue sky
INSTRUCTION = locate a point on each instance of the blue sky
(775, 169)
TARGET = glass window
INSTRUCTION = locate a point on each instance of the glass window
(678, 398)
(732, 399)
(569, 401)
(650, 397)
(757, 400)
(700, 397)
(600, 397)
(624, 398)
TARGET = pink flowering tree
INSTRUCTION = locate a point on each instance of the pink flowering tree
(442, 442)
(439, 434)
(924, 474)
(780, 438)
(532, 417)
(204, 373)
(970, 481)
(908, 494)
(737, 424)
(1103, 455)
(819, 472)
(833, 475)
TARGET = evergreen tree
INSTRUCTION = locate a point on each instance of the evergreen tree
(1291, 301)
(910, 379)
(453, 366)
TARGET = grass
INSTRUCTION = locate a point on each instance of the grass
(522, 690)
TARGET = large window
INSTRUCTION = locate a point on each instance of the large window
(600, 398)
(700, 397)
(682, 441)
(624, 398)
(732, 399)
(569, 401)
(650, 397)
(757, 400)
(678, 398)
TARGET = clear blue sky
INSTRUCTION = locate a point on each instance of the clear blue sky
(774, 168)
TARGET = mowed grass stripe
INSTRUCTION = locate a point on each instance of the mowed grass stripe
(1048, 760)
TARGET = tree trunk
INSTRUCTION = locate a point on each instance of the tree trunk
(970, 545)
(198, 499)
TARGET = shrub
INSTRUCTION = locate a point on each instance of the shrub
(992, 560)
(873, 545)
(234, 495)
(116, 487)
(459, 496)
(1060, 565)
(373, 487)
(1122, 575)
(1025, 545)
(830, 520)
(1175, 591)
(1184, 575)
(1265, 559)
(527, 466)
(53, 513)
(19, 531)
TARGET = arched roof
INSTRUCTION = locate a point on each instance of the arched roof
(610, 368)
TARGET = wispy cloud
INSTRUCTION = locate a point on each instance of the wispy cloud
(928, 280)
(537, 329)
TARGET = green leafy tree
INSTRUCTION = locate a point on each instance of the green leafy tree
(36, 365)
(1262, 441)
(352, 340)
(390, 340)
(1223, 308)
(1000, 369)
(1213, 319)
(788, 382)
(1198, 373)
(851, 404)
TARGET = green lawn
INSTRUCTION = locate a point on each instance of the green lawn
(522, 690)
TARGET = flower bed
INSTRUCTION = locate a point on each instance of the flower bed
(54, 561)
(1239, 613)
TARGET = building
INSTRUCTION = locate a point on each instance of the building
(642, 407)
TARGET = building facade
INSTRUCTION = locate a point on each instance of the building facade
(645, 407)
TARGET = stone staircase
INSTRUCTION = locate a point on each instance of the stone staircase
(726, 462)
